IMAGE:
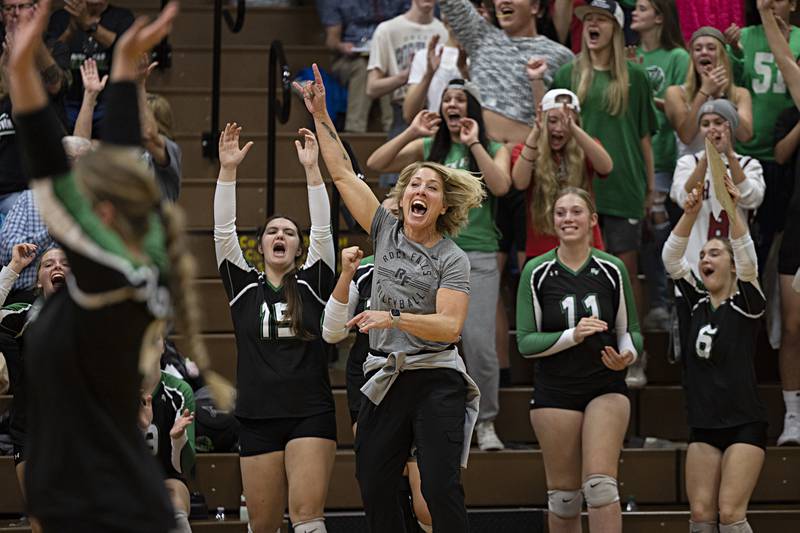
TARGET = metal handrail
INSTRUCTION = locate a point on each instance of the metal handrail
(276, 111)
(210, 139)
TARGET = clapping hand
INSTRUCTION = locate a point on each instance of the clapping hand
(180, 425)
(588, 326)
(434, 58)
(615, 360)
(732, 34)
(536, 68)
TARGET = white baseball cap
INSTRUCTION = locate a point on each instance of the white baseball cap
(606, 7)
(551, 100)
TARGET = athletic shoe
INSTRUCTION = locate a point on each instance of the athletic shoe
(791, 431)
(488, 441)
(658, 319)
(636, 378)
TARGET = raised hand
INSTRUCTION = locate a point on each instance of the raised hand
(313, 93)
(22, 255)
(80, 13)
(468, 133)
(615, 360)
(91, 80)
(230, 155)
(145, 68)
(566, 119)
(180, 425)
(714, 81)
(426, 123)
(733, 190)
(694, 200)
(588, 326)
(27, 35)
(140, 38)
(732, 34)
(351, 258)
(536, 68)
(764, 5)
(727, 145)
(308, 153)
(434, 59)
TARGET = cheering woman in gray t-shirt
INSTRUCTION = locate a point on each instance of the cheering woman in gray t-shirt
(418, 390)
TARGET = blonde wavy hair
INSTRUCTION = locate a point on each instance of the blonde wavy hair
(616, 97)
(462, 192)
(693, 81)
(117, 175)
(546, 185)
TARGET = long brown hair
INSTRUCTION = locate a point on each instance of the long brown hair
(693, 81)
(616, 97)
(671, 35)
(294, 303)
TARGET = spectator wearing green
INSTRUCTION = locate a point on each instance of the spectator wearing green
(456, 137)
(662, 52)
(755, 68)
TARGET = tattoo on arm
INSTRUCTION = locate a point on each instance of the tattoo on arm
(336, 138)
(52, 75)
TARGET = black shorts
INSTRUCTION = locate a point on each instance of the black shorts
(754, 433)
(789, 253)
(571, 398)
(621, 235)
(257, 437)
(19, 454)
(510, 221)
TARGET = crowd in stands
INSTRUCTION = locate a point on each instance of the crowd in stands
(565, 146)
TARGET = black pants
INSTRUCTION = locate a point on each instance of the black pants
(771, 214)
(426, 407)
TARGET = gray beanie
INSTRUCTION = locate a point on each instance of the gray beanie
(708, 31)
(723, 108)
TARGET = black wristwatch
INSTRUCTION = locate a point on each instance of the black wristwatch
(395, 313)
(92, 29)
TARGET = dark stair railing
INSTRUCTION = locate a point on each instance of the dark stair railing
(277, 110)
(210, 139)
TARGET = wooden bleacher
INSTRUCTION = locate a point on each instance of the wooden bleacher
(510, 479)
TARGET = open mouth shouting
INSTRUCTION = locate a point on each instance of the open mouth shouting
(57, 279)
(504, 12)
(594, 36)
(279, 249)
(419, 208)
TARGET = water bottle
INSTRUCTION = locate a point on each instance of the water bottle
(243, 515)
(631, 505)
(220, 516)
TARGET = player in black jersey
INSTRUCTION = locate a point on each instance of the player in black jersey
(576, 315)
(88, 468)
(728, 428)
(14, 318)
(285, 403)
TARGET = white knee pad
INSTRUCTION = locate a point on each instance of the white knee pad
(737, 527)
(425, 527)
(702, 527)
(600, 490)
(565, 503)
(315, 525)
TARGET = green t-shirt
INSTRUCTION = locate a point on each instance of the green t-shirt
(622, 193)
(754, 67)
(480, 234)
(664, 68)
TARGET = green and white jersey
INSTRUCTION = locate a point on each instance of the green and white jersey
(171, 396)
(552, 299)
(754, 67)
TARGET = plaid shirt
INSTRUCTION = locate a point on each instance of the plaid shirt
(359, 18)
(24, 225)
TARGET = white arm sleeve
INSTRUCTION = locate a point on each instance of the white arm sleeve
(226, 242)
(321, 240)
(674, 258)
(683, 170)
(744, 257)
(7, 279)
(337, 314)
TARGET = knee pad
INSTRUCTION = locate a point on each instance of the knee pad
(565, 503)
(600, 490)
(425, 527)
(737, 527)
(702, 527)
(315, 525)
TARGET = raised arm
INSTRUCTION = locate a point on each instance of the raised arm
(597, 154)
(93, 85)
(562, 18)
(338, 309)
(319, 206)
(780, 49)
(226, 242)
(357, 196)
(425, 64)
(494, 169)
(406, 148)
(525, 166)
(468, 25)
(22, 256)
(674, 250)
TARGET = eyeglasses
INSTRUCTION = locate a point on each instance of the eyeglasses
(18, 7)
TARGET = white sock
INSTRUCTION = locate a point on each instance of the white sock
(315, 525)
(792, 400)
(181, 522)
(737, 527)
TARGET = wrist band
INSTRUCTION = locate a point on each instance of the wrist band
(704, 94)
(531, 147)
(473, 144)
(528, 159)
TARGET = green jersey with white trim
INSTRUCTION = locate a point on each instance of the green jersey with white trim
(171, 396)
(552, 299)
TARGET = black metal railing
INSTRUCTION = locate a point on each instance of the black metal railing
(162, 53)
(210, 139)
(277, 110)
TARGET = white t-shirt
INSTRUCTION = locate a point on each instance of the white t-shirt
(394, 43)
(448, 70)
(707, 226)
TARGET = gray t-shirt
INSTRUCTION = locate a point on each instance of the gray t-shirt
(406, 277)
(497, 61)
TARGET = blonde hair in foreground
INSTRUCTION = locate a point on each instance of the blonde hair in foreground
(546, 184)
(616, 97)
(462, 192)
(117, 175)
